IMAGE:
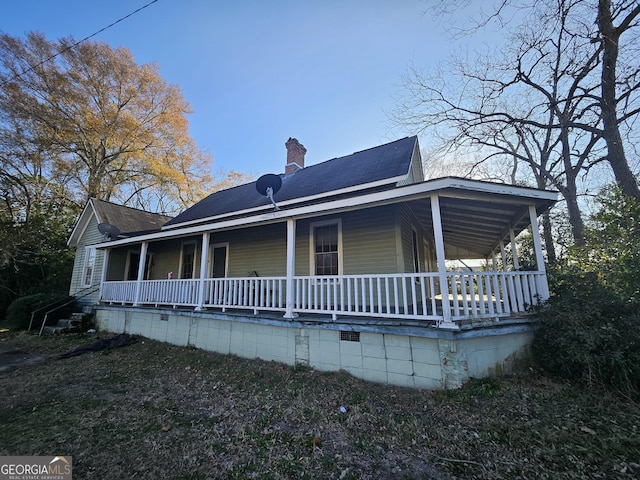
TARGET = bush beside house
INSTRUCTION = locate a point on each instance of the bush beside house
(590, 327)
(19, 312)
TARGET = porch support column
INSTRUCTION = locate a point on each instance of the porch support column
(442, 267)
(537, 245)
(291, 268)
(141, 269)
(514, 250)
(204, 262)
(103, 275)
(503, 253)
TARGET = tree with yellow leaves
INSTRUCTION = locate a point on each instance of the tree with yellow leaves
(81, 120)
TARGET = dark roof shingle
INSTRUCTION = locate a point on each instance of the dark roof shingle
(128, 219)
(361, 168)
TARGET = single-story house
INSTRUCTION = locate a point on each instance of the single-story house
(340, 265)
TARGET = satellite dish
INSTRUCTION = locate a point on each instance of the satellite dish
(108, 231)
(268, 185)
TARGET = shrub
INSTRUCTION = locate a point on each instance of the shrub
(612, 248)
(589, 332)
(19, 312)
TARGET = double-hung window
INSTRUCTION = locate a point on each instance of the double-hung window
(187, 260)
(89, 266)
(326, 248)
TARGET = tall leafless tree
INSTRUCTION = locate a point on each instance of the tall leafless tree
(535, 102)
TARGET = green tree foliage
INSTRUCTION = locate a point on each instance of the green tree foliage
(614, 244)
(34, 256)
(20, 310)
(590, 327)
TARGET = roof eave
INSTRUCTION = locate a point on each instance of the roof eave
(462, 187)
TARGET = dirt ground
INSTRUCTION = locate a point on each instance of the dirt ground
(151, 410)
(16, 358)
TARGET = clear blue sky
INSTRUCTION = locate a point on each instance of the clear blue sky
(258, 72)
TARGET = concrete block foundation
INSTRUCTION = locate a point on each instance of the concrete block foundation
(410, 356)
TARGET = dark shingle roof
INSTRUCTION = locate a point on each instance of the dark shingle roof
(368, 166)
(128, 219)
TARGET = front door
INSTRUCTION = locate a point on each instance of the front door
(134, 262)
(219, 259)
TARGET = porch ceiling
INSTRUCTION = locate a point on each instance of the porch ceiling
(473, 227)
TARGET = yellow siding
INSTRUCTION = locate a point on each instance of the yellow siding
(368, 241)
(166, 258)
(117, 261)
(260, 249)
(407, 222)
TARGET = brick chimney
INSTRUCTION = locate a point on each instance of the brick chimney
(295, 155)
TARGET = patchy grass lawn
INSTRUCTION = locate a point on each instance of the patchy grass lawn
(153, 411)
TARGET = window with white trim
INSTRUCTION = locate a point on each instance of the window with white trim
(89, 266)
(326, 248)
(187, 260)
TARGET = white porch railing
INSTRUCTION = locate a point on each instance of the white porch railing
(416, 296)
(172, 292)
(118, 292)
(493, 294)
(257, 293)
(393, 295)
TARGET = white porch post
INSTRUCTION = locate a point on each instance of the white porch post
(291, 268)
(442, 267)
(204, 262)
(141, 268)
(103, 275)
(514, 250)
(537, 244)
(503, 253)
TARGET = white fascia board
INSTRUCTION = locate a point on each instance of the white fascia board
(286, 203)
(400, 194)
(479, 186)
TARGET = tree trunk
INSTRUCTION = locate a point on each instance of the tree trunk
(570, 191)
(610, 36)
(547, 235)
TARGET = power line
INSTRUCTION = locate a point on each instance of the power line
(77, 43)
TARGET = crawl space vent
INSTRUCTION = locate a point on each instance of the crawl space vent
(349, 336)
